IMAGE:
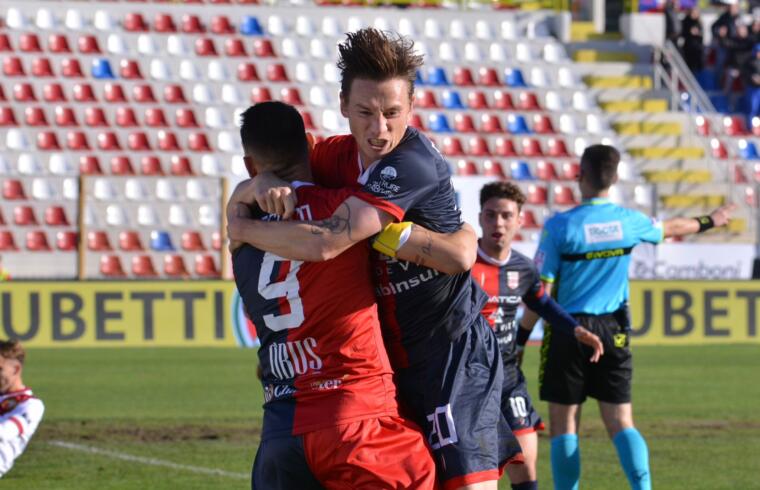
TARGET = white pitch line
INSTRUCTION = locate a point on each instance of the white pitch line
(148, 461)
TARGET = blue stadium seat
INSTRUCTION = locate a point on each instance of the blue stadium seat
(748, 150)
(521, 171)
(418, 80)
(251, 26)
(437, 76)
(101, 68)
(516, 124)
(438, 123)
(513, 77)
(160, 241)
(451, 100)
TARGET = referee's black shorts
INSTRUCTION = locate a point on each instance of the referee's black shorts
(567, 376)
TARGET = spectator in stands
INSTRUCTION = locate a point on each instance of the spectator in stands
(739, 52)
(724, 29)
(755, 31)
(672, 23)
(693, 44)
(752, 81)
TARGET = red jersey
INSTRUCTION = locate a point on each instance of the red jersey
(322, 353)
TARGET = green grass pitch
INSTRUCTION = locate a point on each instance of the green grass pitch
(190, 418)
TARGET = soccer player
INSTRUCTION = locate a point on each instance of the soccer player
(583, 256)
(444, 353)
(20, 411)
(509, 277)
(330, 414)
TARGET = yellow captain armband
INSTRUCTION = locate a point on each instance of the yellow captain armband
(392, 238)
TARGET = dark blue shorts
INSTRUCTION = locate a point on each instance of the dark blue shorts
(516, 404)
(455, 396)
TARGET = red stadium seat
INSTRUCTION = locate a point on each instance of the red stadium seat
(545, 170)
(504, 147)
(77, 141)
(291, 95)
(142, 266)
(503, 101)
(121, 165)
(29, 43)
(184, 118)
(36, 241)
(155, 117)
(216, 240)
(734, 126)
(220, 24)
(7, 243)
(47, 141)
(113, 92)
(125, 117)
(570, 171)
(478, 146)
(12, 67)
(173, 94)
(308, 122)
(529, 220)
(95, 117)
(70, 68)
(191, 24)
(425, 99)
(97, 241)
(151, 165)
(138, 142)
(718, 149)
(463, 123)
(557, 148)
(174, 266)
(66, 241)
(135, 22)
(130, 70)
(542, 124)
(192, 241)
(7, 117)
(5, 43)
(563, 195)
(246, 72)
(739, 175)
(35, 116)
(13, 190)
(144, 93)
(24, 216)
(527, 101)
(756, 126)
(703, 125)
(89, 165)
(262, 48)
(198, 142)
(110, 266)
(167, 141)
(88, 44)
(477, 100)
(276, 73)
(490, 123)
(493, 168)
(41, 68)
(53, 92)
(466, 167)
(24, 92)
(58, 43)
(260, 94)
(129, 241)
(234, 47)
(65, 117)
(536, 194)
(463, 77)
(205, 266)
(56, 216)
(180, 165)
(488, 77)
(205, 46)
(531, 147)
(452, 146)
(83, 93)
(164, 23)
(416, 122)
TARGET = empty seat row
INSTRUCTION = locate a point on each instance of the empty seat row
(519, 169)
(174, 266)
(505, 146)
(466, 122)
(40, 189)
(463, 76)
(743, 148)
(159, 240)
(147, 215)
(145, 189)
(732, 126)
(476, 52)
(38, 241)
(53, 215)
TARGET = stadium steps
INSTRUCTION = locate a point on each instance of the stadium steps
(647, 127)
(686, 176)
(666, 152)
(585, 31)
(620, 81)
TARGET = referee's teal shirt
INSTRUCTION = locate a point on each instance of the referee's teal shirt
(586, 252)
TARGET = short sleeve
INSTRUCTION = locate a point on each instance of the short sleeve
(547, 258)
(334, 162)
(645, 228)
(402, 182)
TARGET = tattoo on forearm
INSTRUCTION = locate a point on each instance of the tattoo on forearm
(334, 225)
(427, 249)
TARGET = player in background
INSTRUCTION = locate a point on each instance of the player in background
(330, 411)
(20, 411)
(509, 278)
(444, 354)
(583, 255)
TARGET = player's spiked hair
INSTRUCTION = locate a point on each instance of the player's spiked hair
(12, 349)
(274, 133)
(502, 190)
(376, 55)
(599, 164)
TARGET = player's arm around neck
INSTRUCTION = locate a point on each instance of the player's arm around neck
(312, 241)
(450, 253)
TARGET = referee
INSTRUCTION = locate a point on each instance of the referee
(584, 255)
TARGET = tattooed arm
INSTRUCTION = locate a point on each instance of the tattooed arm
(313, 241)
(450, 253)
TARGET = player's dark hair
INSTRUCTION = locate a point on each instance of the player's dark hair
(502, 190)
(274, 133)
(12, 349)
(376, 55)
(599, 164)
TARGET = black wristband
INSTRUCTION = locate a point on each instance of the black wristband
(705, 223)
(522, 336)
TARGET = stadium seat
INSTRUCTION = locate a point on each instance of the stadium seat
(451, 100)
(276, 73)
(437, 77)
(70, 68)
(545, 170)
(60, 164)
(542, 124)
(566, 78)
(125, 117)
(425, 99)
(12, 67)
(24, 92)
(718, 149)
(65, 117)
(187, 71)
(205, 266)
(66, 241)
(191, 24)
(260, 94)
(138, 141)
(734, 126)
(205, 46)
(26, 164)
(262, 48)
(184, 118)
(88, 44)
(108, 141)
(130, 70)
(488, 77)
(24, 216)
(438, 123)
(159, 70)
(557, 148)
(563, 195)
(642, 196)
(52, 92)
(596, 124)
(174, 266)
(173, 94)
(529, 220)
(208, 215)
(466, 167)
(520, 170)
(15, 19)
(42, 68)
(29, 43)
(477, 100)
(516, 124)
(217, 71)
(142, 266)
(147, 215)
(415, 121)
(122, 165)
(178, 216)
(490, 123)
(748, 150)
(143, 94)
(530, 147)
(198, 142)
(554, 53)
(304, 26)
(83, 92)
(504, 147)
(36, 241)
(5, 43)
(290, 48)
(103, 190)
(154, 117)
(250, 26)
(246, 72)
(113, 92)
(77, 141)
(134, 22)
(463, 123)
(216, 240)
(703, 125)
(7, 117)
(181, 166)
(581, 102)
(567, 124)
(536, 195)
(478, 146)
(447, 53)
(192, 241)
(167, 141)
(161, 241)
(570, 171)
(129, 241)
(527, 101)
(7, 242)
(115, 44)
(89, 165)
(756, 126)
(493, 168)
(452, 146)
(462, 77)
(110, 266)
(46, 141)
(291, 95)
(513, 77)
(103, 21)
(151, 165)
(221, 24)
(42, 189)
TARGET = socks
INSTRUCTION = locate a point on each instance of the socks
(566, 462)
(526, 485)
(634, 458)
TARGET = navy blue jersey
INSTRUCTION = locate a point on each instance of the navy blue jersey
(416, 302)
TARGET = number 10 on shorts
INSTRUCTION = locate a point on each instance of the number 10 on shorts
(443, 431)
